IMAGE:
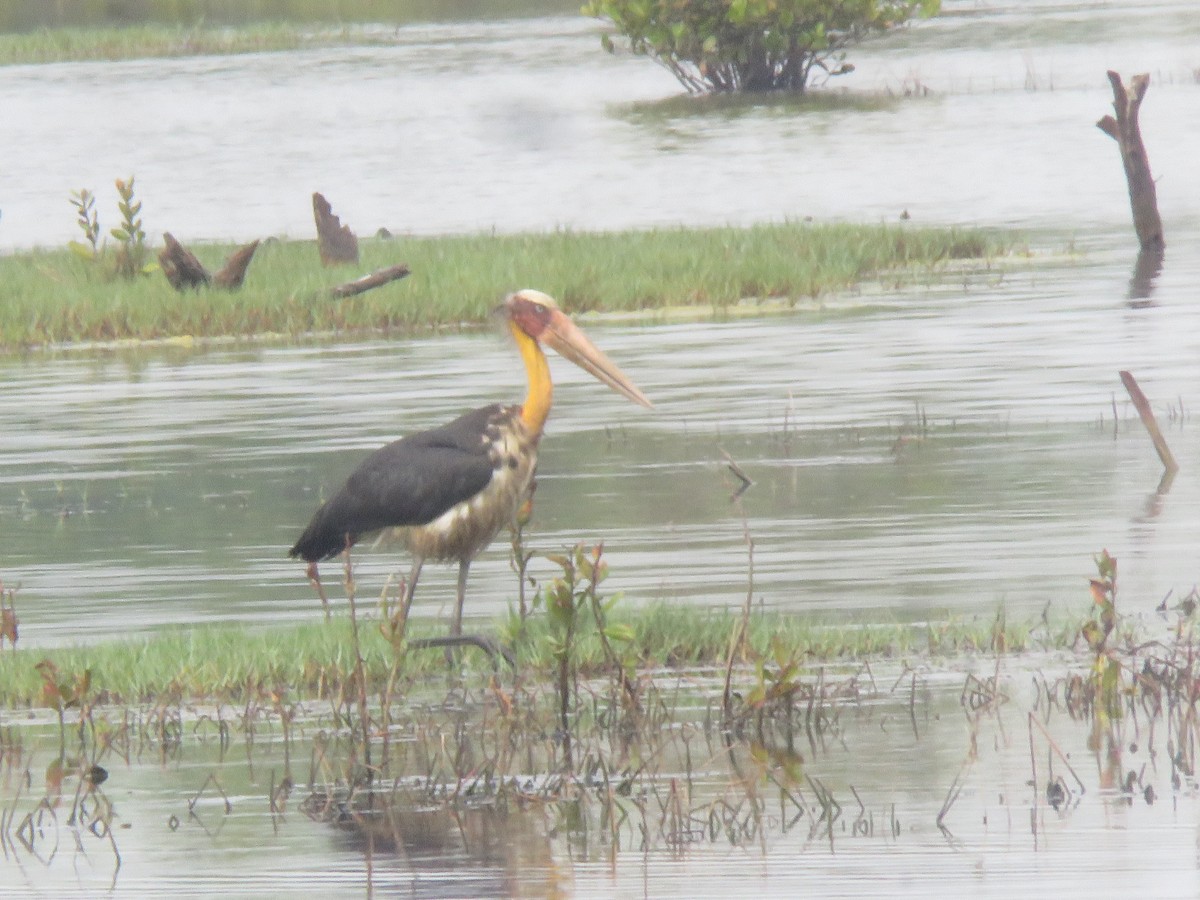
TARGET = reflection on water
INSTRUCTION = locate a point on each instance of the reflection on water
(497, 849)
(1145, 271)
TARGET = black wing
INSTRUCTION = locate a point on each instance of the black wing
(411, 481)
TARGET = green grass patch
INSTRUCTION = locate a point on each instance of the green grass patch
(231, 663)
(48, 45)
(37, 31)
(54, 296)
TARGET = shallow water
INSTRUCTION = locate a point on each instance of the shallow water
(152, 487)
(528, 124)
(905, 790)
(144, 487)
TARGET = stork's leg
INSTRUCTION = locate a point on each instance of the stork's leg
(456, 638)
(413, 574)
(464, 566)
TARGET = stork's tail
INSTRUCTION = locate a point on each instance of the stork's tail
(322, 539)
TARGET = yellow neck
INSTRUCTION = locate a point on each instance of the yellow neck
(541, 392)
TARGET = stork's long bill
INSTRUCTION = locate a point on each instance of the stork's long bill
(536, 318)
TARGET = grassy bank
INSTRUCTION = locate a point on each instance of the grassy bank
(156, 41)
(38, 31)
(55, 296)
(231, 663)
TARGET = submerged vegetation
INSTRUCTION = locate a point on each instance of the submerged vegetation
(54, 296)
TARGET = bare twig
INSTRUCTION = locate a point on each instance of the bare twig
(1033, 720)
(360, 675)
(211, 779)
(739, 639)
(746, 481)
(953, 792)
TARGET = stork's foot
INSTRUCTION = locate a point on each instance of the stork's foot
(486, 644)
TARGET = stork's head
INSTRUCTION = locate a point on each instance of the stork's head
(537, 315)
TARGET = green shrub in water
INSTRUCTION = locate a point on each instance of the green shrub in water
(751, 45)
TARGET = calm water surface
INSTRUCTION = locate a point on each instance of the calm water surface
(919, 453)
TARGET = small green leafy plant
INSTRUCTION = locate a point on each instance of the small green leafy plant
(130, 258)
(88, 221)
(1105, 676)
(568, 600)
(63, 690)
(777, 685)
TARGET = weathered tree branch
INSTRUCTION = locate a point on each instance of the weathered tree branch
(1142, 405)
(374, 280)
(1124, 129)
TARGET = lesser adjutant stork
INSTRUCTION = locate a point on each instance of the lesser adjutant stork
(448, 491)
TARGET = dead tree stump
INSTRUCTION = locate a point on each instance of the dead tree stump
(1124, 129)
(234, 271)
(180, 265)
(335, 242)
(184, 270)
